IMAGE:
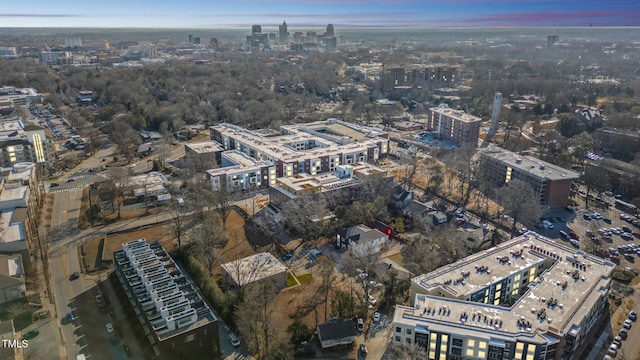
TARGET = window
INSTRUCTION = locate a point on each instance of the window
(397, 338)
(398, 329)
(408, 340)
(190, 338)
(408, 331)
(471, 343)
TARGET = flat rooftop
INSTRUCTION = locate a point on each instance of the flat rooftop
(456, 114)
(204, 147)
(162, 291)
(530, 164)
(253, 268)
(330, 137)
(567, 290)
(10, 232)
(236, 160)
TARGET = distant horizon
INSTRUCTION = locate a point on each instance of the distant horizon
(336, 26)
(382, 14)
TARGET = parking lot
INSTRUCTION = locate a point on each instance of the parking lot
(608, 232)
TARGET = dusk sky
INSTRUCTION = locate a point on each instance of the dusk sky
(317, 13)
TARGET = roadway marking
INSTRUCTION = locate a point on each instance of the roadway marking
(63, 260)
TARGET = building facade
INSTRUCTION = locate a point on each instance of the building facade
(421, 76)
(179, 323)
(550, 183)
(454, 125)
(528, 298)
(311, 148)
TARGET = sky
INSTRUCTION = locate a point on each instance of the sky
(318, 13)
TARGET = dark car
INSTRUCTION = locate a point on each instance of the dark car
(586, 217)
(286, 257)
(607, 220)
(74, 276)
(54, 184)
(30, 335)
(363, 350)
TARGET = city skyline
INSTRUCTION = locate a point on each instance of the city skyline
(318, 13)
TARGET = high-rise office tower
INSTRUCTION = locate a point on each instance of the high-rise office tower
(283, 35)
(329, 32)
(495, 114)
(256, 29)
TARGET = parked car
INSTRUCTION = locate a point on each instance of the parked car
(54, 184)
(563, 234)
(74, 276)
(109, 327)
(372, 300)
(624, 333)
(376, 317)
(627, 324)
(633, 316)
(360, 324)
(363, 350)
(233, 339)
(70, 317)
(30, 335)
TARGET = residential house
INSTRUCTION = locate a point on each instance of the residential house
(336, 332)
(361, 240)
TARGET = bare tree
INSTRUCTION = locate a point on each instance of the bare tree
(305, 215)
(209, 239)
(408, 171)
(256, 318)
(467, 165)
(403, 351)
(326, 267)
(520, 202)
(178, 221)
(223, 198)
(595, 177)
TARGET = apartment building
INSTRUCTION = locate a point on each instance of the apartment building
(238, 171)
(167, 306)
(528, 298)
(312, 148)
(454, 125)
(427, 76)
(550, 183)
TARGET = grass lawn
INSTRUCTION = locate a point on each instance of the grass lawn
(291, 280)
(305, 278)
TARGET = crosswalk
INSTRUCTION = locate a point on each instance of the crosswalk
(75, 188)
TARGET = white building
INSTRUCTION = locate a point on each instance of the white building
(256, 268)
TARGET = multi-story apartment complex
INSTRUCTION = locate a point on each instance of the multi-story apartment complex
(345, 181)
(20, 143)
(528, 298)
(623, 144)
(311, 148)
(178, 322)
(421, 76)
(550, 183)
(239, 171)
(454, 125)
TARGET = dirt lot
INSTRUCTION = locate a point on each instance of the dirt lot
(114, 242)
